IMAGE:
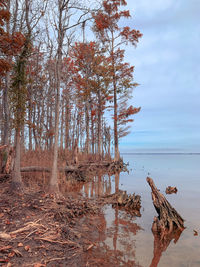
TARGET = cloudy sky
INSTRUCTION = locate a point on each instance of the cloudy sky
(167, 67)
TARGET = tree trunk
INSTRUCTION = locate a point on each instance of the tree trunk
(61, 127)
(99, 124)
(67, 119)
(30, 126)
(116, 140)
(6, 124)
(53, 186)
(87, 143)
(16, 173)
(92, 129)
(75, 152)
(6, 111)
(5, 94)
(19, 92)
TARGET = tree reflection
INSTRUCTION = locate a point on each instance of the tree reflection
(161, 244)
(116, 182)
(115, 242)
(115, 245)
(116, 223)
(98, 185)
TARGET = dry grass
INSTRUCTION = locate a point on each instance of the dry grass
(44, 158)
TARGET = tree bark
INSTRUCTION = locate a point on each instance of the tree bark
(62, 126)
(6, 111)
(168, 218)
(99, 124)
(16, 173)
(67, 124)
(87, 142)
(116, 139)
(53, 186)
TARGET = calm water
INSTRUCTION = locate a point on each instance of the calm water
(132, 237)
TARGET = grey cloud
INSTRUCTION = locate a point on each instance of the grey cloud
(167, 66)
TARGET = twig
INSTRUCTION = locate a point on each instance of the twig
(28, 226)
(59, 242)
(89, 247)
(55, 259)
(31, 233)
(71, 256)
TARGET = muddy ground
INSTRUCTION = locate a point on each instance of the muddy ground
(37, 229)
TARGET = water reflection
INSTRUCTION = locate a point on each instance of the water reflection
(115, 229)
(116, 223)
(117, 182)
(117, 233)
(161, 244)
(115, 240)
(98, 186)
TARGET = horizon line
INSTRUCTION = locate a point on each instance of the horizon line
(158, 153)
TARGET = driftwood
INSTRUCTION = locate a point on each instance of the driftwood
(168, 219)
(130, 203)
(171, 190)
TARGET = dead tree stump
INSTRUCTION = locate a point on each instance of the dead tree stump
(168, 218)
(131, 203)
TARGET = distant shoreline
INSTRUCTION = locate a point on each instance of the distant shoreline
(159, 153)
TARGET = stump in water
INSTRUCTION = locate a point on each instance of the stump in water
(131, 203)
(171, 190)
(168, 218)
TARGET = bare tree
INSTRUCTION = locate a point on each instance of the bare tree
(19, 89)
(66, 9)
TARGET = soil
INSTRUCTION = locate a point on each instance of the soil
(39, 230)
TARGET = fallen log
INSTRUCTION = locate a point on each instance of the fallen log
(69, 168)
(46, 169)
(168, 218)
(35, 169)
